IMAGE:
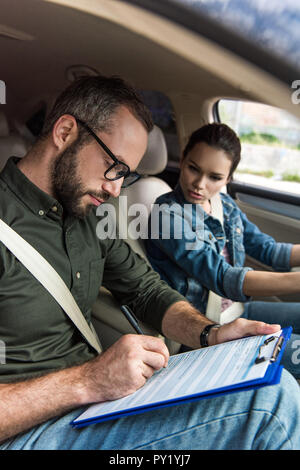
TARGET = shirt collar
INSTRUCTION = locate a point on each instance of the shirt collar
(37, 201)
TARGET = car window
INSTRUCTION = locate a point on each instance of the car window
(270, 139)
(273, 26)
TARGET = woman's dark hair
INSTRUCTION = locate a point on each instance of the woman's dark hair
(219, 136)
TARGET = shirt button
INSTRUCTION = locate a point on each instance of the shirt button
(54, 208)
(78, 275)
(238, 230)
(41, 212)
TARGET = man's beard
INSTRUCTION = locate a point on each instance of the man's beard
(67, 185)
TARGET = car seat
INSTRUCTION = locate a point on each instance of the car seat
(139, 197)
(109, 322)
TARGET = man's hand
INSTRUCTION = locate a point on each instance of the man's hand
(240, 328)
(123, 368)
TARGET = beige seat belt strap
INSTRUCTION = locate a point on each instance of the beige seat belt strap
(49, 278)
(214, 304)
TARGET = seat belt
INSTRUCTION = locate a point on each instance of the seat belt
(50, 279)
(214, 304)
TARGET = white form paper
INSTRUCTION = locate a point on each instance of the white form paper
(194, 372)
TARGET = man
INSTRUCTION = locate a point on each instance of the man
(92, 142)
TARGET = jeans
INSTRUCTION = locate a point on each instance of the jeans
(268, 418)
(285, 314)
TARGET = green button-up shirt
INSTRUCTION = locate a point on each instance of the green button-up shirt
(37, 334)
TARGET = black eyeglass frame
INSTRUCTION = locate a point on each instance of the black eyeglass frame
(134, 174)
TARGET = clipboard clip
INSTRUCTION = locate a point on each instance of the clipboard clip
(276, 351)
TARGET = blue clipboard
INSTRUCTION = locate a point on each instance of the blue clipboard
(272, 376)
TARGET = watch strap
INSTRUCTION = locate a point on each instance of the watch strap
(205, 332)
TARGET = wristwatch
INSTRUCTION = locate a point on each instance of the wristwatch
(204, 334)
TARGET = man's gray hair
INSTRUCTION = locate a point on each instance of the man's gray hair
(94, 100)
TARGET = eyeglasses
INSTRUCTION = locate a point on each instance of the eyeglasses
(118, 169)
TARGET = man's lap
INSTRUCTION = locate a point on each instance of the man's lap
(219, 423)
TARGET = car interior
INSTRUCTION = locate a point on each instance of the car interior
(182, 74)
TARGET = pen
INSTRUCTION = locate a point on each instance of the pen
(131, 318)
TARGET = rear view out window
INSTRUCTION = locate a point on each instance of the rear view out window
(270, 139)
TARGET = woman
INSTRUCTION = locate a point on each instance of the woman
(209, 255)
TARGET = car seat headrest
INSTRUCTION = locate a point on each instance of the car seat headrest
(155, 158)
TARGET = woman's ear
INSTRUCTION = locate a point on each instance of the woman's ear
(229, 179)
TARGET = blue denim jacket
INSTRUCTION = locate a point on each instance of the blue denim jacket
(184, 245)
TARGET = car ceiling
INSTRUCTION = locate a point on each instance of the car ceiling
(34, 69)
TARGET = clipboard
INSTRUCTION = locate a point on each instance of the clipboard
(265, 355)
